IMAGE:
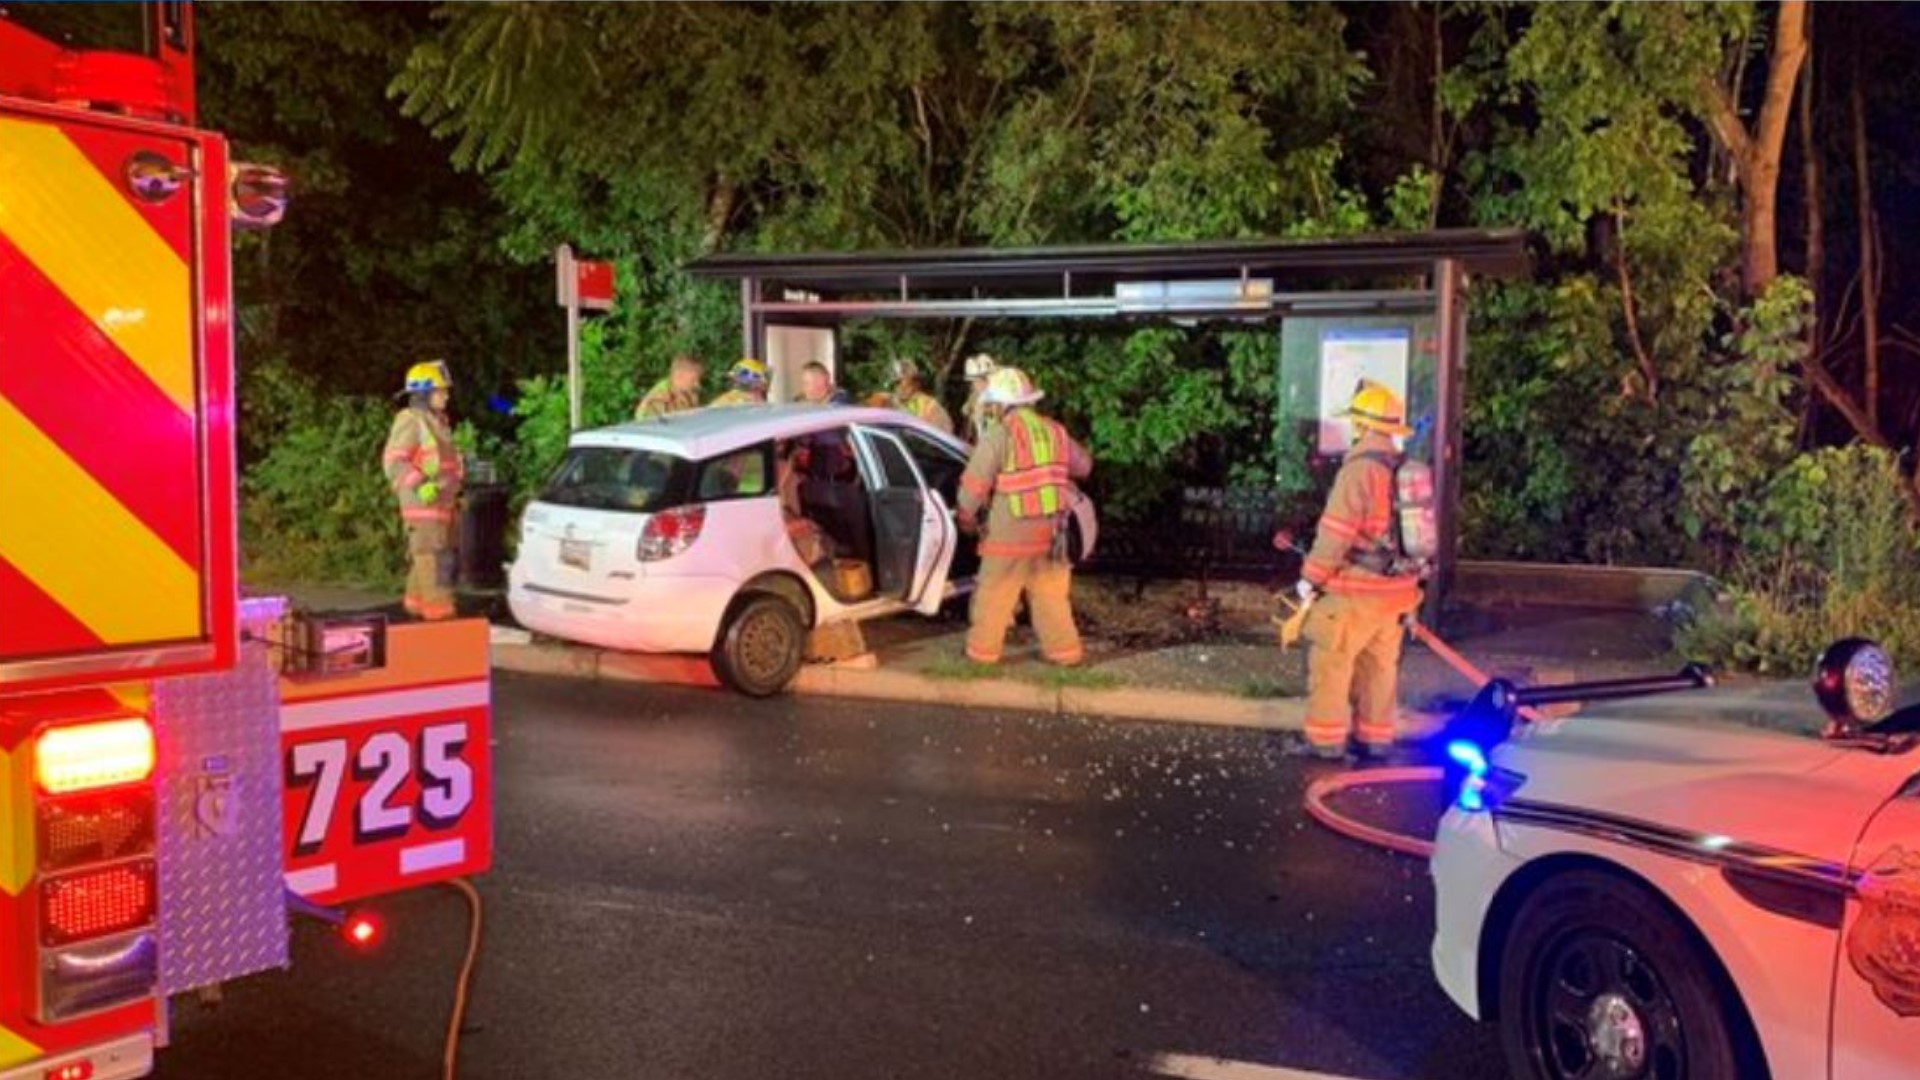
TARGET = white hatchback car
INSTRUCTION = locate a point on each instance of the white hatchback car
(672, 535)
(1639, 893)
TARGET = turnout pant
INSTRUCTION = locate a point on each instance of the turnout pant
(431, 569)
(1048, 586)
(1353, 667)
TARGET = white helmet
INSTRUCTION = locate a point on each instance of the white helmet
(1010, 386)
(981, 365)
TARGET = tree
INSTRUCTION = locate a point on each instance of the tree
(661, 131)
(1756, 152)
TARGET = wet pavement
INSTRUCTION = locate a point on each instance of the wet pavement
(691, 884)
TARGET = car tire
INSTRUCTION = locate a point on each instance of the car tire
(761, 645)
(1599, 979)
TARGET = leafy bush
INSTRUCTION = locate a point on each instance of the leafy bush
(1830, 552)
(315, 507)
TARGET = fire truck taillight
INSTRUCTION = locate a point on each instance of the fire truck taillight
(96, 828)
(72, 1070)
(95, 903)
(81, 757)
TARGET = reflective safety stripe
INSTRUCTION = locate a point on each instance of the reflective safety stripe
(1035, 477)
(15, 1050)
(104, 565)
(16, 822)
(63, 213)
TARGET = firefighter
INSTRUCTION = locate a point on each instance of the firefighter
(678, 392)
(423, 467)
(910, 396)
(979, 367)
(749, 384)
(1022, 473)
(1355, 628)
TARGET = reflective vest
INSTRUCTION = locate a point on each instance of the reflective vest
(735, 396)
(1034, 477)
(663, 399)
(926, 407)
(420, 450)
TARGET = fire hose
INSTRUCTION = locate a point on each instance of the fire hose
(1319, 791)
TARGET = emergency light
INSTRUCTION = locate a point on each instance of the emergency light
(1470, 780)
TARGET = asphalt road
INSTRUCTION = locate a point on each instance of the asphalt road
(694, 885)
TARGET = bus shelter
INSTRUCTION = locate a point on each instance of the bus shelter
(1389, 307)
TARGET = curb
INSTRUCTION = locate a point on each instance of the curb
(882, 684)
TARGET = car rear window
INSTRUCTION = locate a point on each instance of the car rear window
(618, 478)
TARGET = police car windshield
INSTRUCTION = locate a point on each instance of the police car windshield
(122, 27)
(618, 478)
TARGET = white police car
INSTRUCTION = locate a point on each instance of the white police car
(1637, 893)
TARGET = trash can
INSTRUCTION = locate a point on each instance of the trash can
(483, 537)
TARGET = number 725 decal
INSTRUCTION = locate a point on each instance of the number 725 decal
(390, 783)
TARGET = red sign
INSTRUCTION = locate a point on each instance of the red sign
(593, 285)
(387, 790)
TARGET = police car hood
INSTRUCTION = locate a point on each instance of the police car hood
(1766, 785)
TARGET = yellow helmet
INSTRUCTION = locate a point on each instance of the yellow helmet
(428, 376)
(1377, 408)
(747, 373)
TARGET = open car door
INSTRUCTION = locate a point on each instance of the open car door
(913, 530)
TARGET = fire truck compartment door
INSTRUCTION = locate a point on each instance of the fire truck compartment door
(108, 554)
(389, 772)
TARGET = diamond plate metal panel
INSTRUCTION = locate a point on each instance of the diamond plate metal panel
(223, 907)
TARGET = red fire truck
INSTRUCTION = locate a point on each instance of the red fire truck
(180, 767)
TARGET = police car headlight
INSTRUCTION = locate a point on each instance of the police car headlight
(1854, 683)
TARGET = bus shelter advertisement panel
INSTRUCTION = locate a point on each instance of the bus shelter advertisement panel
(1348, 357)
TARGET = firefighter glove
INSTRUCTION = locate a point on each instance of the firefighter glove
(1306, 591)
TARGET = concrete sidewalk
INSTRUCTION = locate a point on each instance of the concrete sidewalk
(1236, 677)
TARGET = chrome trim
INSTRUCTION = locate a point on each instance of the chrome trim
(1728, 855)
(134, 953)
(582, 597)
(115, 666)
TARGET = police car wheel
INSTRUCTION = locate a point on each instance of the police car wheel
(1600, 981)
(761, 646)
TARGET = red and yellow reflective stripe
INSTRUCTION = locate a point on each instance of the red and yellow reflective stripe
(101, 410)
(15, 1050)
(77, 227)
(96, 558)
(98, 390)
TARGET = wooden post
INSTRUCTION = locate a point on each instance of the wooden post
(1450, 340)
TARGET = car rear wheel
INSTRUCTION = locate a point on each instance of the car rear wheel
(1599, 981)
(761, 646)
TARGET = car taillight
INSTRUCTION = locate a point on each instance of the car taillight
(95, 903)
(82, 757)
(670, 532)
(72, 1070)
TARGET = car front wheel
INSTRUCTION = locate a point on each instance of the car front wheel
(1599, 981)
(761, 646)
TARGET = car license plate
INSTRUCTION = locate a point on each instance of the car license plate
(577, 554)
